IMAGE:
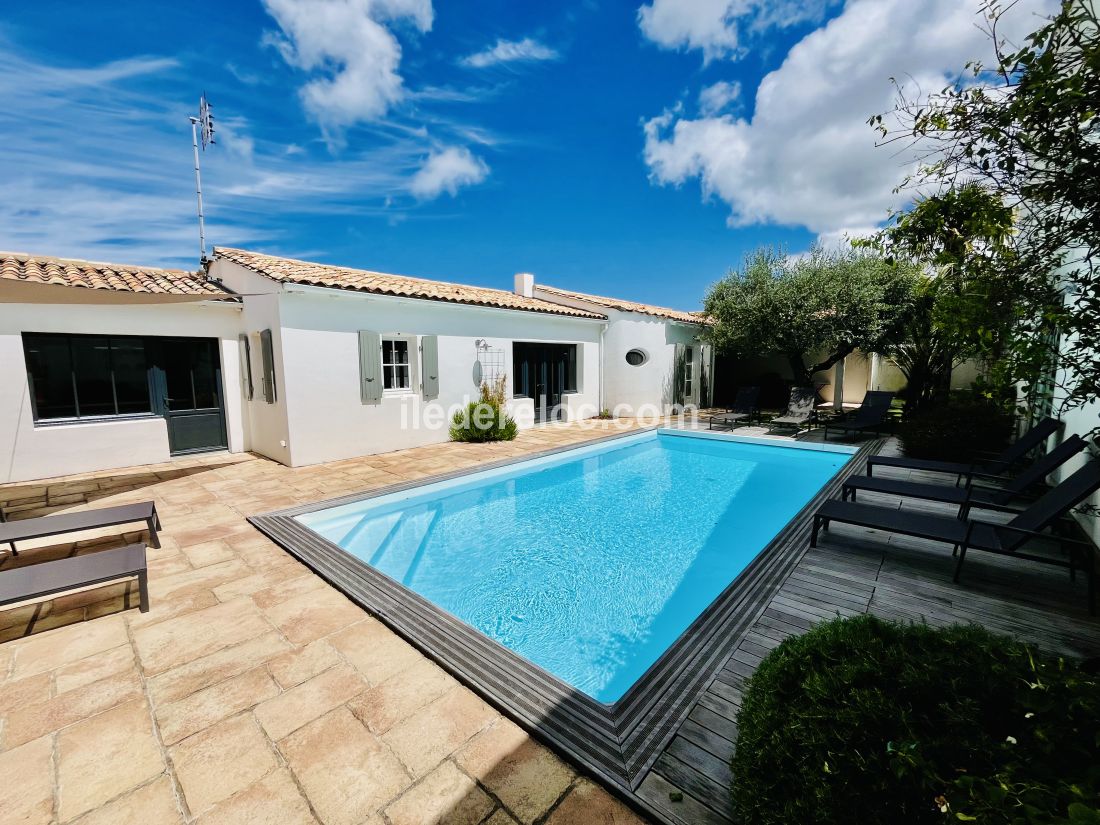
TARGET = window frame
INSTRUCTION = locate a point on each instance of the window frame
(28, 337)
(412, 352)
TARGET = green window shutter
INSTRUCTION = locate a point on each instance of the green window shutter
(696, 376)
(679, 359)
(706, 374)
(370, 367)
(429, 359)
(267, 355)
(245, 351)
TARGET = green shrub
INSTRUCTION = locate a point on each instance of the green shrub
(481, 421)
(960, 430)
(865, 721)
(485, 419)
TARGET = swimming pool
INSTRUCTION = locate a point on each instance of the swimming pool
(592, 562)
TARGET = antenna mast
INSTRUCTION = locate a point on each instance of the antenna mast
(204, 125)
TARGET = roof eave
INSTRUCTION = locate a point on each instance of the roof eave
(329, 289)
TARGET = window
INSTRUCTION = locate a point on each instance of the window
(689, 371)
(396, 364)
(86, 376)
(636, 357)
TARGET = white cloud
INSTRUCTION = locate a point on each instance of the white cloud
(510, 51)
(349, 50)
(97, 164)
(445, 171)
(716, 97)
(718, 26)
(807, 157)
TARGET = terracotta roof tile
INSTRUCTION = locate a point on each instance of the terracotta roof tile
(627, 306)
(289, 270)
(41, 269)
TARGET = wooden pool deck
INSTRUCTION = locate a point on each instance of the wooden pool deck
(855, 571)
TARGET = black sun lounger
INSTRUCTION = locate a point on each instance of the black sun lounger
(871, 416)
(800, 409)
(973, 534)
(36, 528)
(743, 409)
(987, 498)
(51, 577)
(1002, 462)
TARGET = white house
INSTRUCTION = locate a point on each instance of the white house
(652, 356)
(105, 366)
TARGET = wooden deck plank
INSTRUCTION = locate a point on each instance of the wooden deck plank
(721, 705)
(701, 759)
(725, 689)
(827, 596)
(716, 723)
(694, 783)
(776, 628)
(655, 790)
(719, 746)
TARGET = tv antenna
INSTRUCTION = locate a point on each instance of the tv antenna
(201, 127)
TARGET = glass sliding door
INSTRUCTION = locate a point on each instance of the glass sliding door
(544, 373)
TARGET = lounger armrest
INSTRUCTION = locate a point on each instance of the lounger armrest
(1033, 533)
(987, 453)
(976, 473)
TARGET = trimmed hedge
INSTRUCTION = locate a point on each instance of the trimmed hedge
(865, 721)
(961, 430)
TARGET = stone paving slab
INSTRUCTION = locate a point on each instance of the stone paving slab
(252, 691)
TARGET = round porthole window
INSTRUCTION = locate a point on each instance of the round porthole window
(636, 357)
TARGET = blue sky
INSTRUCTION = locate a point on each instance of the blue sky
(638, 149)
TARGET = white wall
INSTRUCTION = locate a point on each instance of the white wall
(627, 388)
(889, 377)
(268, 428)
(32, 452)
(318, 348)
(1082, 420)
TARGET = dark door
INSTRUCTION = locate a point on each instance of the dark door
(544, 372)
(187, 391)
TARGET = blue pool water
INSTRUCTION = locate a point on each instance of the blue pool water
(592, 562)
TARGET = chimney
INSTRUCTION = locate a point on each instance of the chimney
(525, 284)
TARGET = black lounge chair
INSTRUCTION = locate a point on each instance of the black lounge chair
(995, 466)
(36, 528)
(985, 498)
(974, 534)
(744, 408)
(800, 409)
(49, 578)
(873, 398)
(871, 416)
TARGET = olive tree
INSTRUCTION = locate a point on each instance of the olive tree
(823, 306)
